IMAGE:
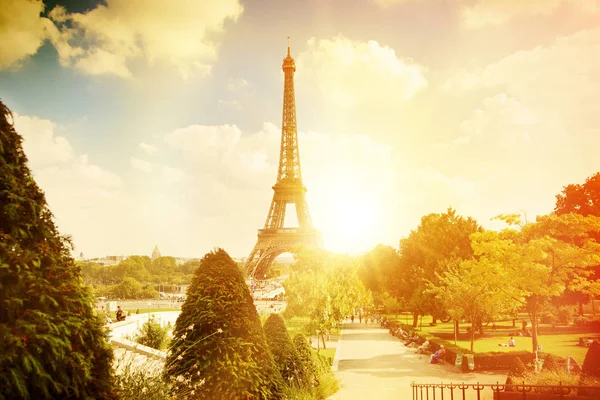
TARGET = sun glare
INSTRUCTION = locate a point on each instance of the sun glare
(349, 226)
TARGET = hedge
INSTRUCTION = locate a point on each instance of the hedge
(488, 361)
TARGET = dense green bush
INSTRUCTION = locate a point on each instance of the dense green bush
(219, 349)
(283, 350)
(152, 334)
(52, 344)
(308, 369)
(590, 370)
(550, 363)
(489, 361)
(517, 368)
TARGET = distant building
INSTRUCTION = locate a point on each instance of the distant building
(156, 253)
(109, 260)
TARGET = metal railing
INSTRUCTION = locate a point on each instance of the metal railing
(467, 391)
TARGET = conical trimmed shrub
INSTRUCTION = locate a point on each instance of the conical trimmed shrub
(219, 349)
(308, 368)
(52, 344)
(550, 363)
(590, 370)
(517, 368)
(282, 348)
(591, 364)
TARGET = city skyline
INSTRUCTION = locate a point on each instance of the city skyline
(147, 122)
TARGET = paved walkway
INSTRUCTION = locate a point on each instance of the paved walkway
(372, 364)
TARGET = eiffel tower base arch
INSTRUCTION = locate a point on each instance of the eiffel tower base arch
(274, 242)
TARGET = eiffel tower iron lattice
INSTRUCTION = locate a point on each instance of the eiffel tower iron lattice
(274, 238)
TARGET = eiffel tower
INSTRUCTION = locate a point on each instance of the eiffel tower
(274, 238)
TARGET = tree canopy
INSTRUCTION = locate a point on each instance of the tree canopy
(219, 349)
(52, 344)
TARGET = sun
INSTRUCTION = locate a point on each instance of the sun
(350, 225)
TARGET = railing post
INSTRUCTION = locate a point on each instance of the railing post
(478, 388)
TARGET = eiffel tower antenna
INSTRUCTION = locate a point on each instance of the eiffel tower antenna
(274, 238)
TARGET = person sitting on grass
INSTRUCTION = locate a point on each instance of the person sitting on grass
(435, 357)
(511, 342)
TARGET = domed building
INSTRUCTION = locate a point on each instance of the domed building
(156, 253)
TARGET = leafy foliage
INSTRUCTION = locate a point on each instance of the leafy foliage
(152, 334)
(307, 366)
(550, 363)
(439, 241)
(537, 261)
(380, 273)
(219, 350)
(581, 199)
(517, 369)
(52, 344)
(591, 363)
(283, 350)
(326, 288)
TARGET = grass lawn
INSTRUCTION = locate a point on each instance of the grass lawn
(558, 344)
(327, 353)
(296, 325)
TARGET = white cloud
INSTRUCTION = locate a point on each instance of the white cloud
(174, 175)
(40, 143)
(353, 73)
(483, 13)
(86, 199)
(109, 38)
(231, 103)
(148, 148)
(237, 84)
(559, 81)
(499, 109)
(22, 31)
(142, 165)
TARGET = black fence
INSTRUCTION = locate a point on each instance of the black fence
(513, 391)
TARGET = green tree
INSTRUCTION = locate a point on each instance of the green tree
(129, 288)
(152, 334)
(590, 370)
(536, 262)
(380, 273)
(476, 289)
(326, 288)
(439, 241)
(219, 349)
(282, 349)
(307, 365)
(52, 344)
(583, 199)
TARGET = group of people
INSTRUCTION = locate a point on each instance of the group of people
(411, 340)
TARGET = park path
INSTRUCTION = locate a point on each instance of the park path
(373, 364)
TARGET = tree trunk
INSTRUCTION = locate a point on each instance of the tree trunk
(433, 320)
(323, 340)
(415, 319)
(593, 308)
(456, 326)
(480, 326)
(472, 334)
(534, 327)
(580, 308)
(514, 323)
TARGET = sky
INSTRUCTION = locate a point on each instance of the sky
(158, 122)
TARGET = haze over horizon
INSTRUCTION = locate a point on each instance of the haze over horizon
(148, 122)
